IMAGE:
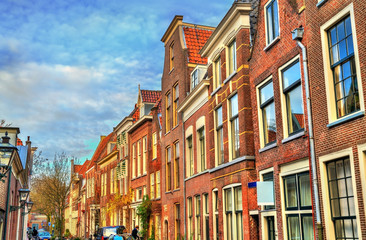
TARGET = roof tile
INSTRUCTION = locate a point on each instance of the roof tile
(150, 96)
(195, 39)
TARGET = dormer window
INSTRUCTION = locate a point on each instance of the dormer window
(194, 79)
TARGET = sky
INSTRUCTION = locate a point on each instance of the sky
(70, 69)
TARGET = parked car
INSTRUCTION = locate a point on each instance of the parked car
(44, 235)
(105, 232)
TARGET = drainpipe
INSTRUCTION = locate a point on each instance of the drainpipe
(297, 35)
(184, 174)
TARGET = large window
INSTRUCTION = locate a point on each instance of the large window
(190, 218)
(176, 165)
(190, 169)
(234, 125)
(158, 184)
(206, 216)
(167, 112)
(342, 63)
(215, 204)
(219, 136)
(155, 145)
(271, 10)
(144, 157)
(175, 104)
(233, 213)
(291, 84)
(232, 57)
(168, 170)
(268, 114)
(201, 148)
(341, 198)
(198, 217)
(298, 211)
(171, 56)
(217, 73)
(177, 221)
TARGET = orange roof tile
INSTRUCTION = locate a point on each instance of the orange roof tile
(195, 38)
(150, 96)
(19, 142)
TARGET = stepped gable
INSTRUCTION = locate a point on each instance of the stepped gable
(195, 38)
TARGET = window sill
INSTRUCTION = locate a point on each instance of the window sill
(346, 119)
(139, 177)
(216, 90)
(292, 137)
(230, 77)
(272, 43)
(171, 70)
(154, 159)
(268, 147)
(196, 175)
(167, 133)
(176, 190)
(235, 161)
(174, 127)
(321, 3)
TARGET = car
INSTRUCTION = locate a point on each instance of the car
(44, 235)
(105, 232)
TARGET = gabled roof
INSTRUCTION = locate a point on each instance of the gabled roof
(135, 114)
(150, 96)
(101, 150)
(195, 38)
(84, 168)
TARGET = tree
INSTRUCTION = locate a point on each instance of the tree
(144, 212)
(4, 124)
(50, 187)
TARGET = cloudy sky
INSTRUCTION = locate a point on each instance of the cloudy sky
(69, 69)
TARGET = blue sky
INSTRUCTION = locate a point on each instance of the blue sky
(69, 69)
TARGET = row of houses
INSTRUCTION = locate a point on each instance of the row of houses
(257, 133)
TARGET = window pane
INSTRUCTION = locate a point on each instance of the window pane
(291, 75)
(266, 92)
(295, 110)
(219, 116)
(234, 105)
(275, 19)
(228, 199)
(238, 199)
(290, 192)
(293, 227)
(269, 122)
(304, 186)
(307, 228)
(239, 226)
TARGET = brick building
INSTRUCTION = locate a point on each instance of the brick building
(336, 43)
(181, 57)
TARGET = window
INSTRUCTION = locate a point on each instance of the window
(139, 194)
(292, 93)
(158, 184)
(152, 186)
(217, 73)
(171, 56)
(139, 158)
(176, 165)
(190, 170)
(268, 215)
(298, 211)
(268, 177)
(167, 112)
(177, 221)
(155, 145)
(190, 218)
(201, 148)
(144, 157)
(267, 113)
(271, 12)
(194, 79)
(168, 170)
(341, 198)
(215, 204)
(234, 126)
(198, 217)
(342, 64)
(206, 220)
(175, 104)
(232, 57)
(233, 213)
(157, 227)
(219, 136)
(134, 160)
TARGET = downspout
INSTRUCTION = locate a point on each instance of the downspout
(184, 174)
(297, 35)
(7, 204)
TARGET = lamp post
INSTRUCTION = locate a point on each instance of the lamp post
(29, 206)
(7, 151)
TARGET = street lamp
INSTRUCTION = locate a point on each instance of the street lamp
(23, 196)
(6, 152)
(29, 206)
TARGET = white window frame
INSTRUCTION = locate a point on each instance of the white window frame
(348, 152)
(157, 184)
(144, 156)
(268, 42)
(217, 75)
(200, 124)
(232, 187)
(232, 71)
(231, 119)
(155, 145)
(328, 75)
(215, 213)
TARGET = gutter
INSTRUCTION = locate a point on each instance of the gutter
(297, 35)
